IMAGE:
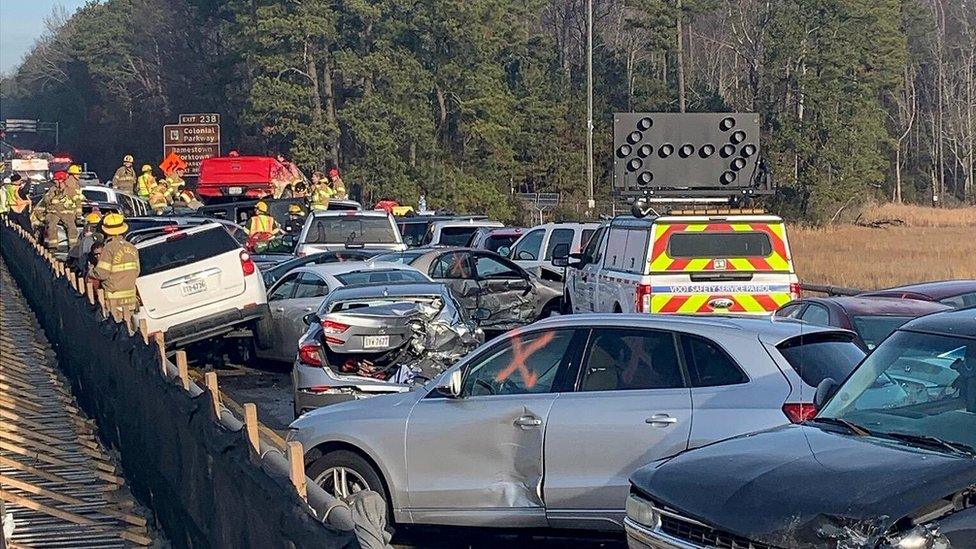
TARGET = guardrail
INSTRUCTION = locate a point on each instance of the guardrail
(209, 476)
(829, 290)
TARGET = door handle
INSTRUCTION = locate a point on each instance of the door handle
(527, 422)
(279, 309)
(661, 420)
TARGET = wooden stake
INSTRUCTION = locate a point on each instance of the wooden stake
(161, 346)
(183, 369)
(211, 380)
(100, 296)
(296, 459)
(72, 279)
(144, 328)
(81, 285)
(90, 291)
(251, 426)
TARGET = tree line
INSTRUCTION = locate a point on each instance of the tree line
(467, 101)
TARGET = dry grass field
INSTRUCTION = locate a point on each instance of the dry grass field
(934, 244)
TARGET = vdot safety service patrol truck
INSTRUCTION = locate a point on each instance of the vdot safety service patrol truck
(726, 263)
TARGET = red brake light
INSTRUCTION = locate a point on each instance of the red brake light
(798, 412)
(175, 236)
(246, 264)
(642, 298)
(168, 229)
(795, 291)
(308, 353)
(331, 327)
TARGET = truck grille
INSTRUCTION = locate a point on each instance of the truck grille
(699, 534)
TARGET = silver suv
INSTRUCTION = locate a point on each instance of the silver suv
(332, 231)
(544, 425)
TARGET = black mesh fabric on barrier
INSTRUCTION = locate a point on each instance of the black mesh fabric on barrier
(198, 478)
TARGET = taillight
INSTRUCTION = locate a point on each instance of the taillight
(332, 327)
(795, 291)
(642, 298)
(798, 412)
(176, 236)
(308, 353)
(246, 264)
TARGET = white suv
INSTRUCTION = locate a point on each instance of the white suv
(332, 231)
(534, 251)
(198, 283)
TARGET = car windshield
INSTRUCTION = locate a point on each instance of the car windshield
(351, 229)
(918, 388)
(374, 277)
(400, 257)
(874, 329)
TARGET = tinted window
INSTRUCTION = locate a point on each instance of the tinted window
(559, 236)
(790, 311)
(412, 233)
(709, 365)
(712, 245)
(184, 249)
(495, 242)
(456, 236)
(528, 248)
(593, 245)
(523, 364)
(400, 257)
(351, 230)
(285, 289)
(620, 359)
(451, 265)
(489, 267)
(585, 237)
(311, 285)
(375, 277)
(816, 357)
(874, 329)
(817, 315)
(95, 195)
(960, 301)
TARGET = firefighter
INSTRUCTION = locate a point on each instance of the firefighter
(174, 181)
(185, 196)
(146, 183)
(296, 219)
(261, 221)
(18, 200)
(63, 203)
(321, 193)
(125, 176)
(338, 187)
(90, 234)
(159, 198)
(118, 266)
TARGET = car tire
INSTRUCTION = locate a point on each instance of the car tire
(263, 332)
(354, 463)
(567, 306)
(553, 308)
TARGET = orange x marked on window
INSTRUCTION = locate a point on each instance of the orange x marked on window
(520, 353)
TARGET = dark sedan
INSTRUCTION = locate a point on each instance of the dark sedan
(954, 293)
(871, 318)
(272, 274)
(888, 462)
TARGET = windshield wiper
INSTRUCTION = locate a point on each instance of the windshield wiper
(934, 442)
(850, 426)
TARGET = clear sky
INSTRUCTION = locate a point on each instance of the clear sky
(22, 22)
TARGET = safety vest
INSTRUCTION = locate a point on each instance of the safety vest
(4, 197)
(147, 184)
(320, 197)
(14, 200)
(261, 223)
(118, 269)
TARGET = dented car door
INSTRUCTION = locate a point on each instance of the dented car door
(505, 292)
(477, 458)
(454, 269)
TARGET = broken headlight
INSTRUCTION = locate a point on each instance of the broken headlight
(920, 537)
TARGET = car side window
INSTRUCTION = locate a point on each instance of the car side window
(592, 250)
(817, 315)
(960, 301)
(451, 265)
(709, 365)
(311, 285)
(527, 249)
(620, 359)
(790, 311)
(490, 268)
(559, 236)
(525, 364)
(285, 288)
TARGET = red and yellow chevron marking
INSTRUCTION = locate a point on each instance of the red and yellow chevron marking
(779, 260)
(698, 303)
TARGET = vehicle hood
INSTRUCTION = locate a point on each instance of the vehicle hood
(800, 486)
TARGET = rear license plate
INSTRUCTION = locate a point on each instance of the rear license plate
(193, 287)
(373, 342)
(235, 190)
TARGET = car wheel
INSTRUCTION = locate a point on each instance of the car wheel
(567, 306)
(263, 332)
(551, 309)
(343, 473)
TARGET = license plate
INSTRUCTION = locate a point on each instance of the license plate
(372, 342)
(193, 287)
(235, 190)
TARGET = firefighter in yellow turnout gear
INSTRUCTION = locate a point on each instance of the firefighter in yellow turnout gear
(118, 267)
(321, 192)
(125, 176)
(147, 182)
(261, 222)
(63, 206)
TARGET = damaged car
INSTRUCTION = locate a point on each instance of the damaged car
(888, 462)
(377, 339)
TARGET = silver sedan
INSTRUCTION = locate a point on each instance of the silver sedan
(544, 425)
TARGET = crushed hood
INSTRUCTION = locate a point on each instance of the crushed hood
(800, 486)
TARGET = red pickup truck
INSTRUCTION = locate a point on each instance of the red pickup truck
(226, 178)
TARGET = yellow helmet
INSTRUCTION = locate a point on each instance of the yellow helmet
(295, 209)
(261, 207)
(93, 218)
(146, 168)
(114, 224)
(74, 169)
(128, 158)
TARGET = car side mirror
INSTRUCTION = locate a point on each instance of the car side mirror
(560, 262)
(825, 389)
(504, 251)
(480, 314)
(451, 385)
(311, 318)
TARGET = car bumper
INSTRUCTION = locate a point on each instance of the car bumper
(645, 537)
(331, 388)
(213, 325)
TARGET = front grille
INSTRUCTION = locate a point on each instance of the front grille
(699, 534)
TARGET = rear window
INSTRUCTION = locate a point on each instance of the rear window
(185, 249)
(495, 243)
(413, 233)
(874, 329)
(714, 245)
(351, 230)
(819, 356)
(375, 277)
(456, 236)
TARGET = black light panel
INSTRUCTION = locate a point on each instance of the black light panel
(684, 151)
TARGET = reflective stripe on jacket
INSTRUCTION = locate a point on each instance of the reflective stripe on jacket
(321, 194)
(147, 183)
(118, 269)
(261, 223)
(124, 178)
